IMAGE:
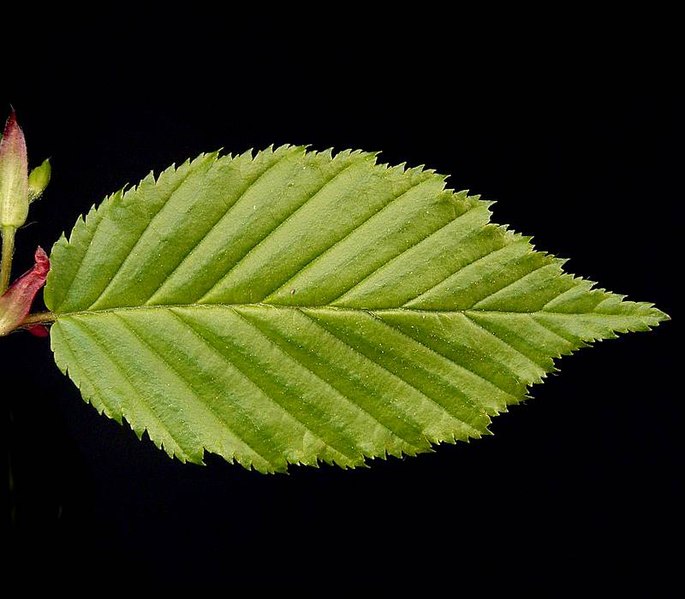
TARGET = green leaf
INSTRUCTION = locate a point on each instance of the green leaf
(298, 307)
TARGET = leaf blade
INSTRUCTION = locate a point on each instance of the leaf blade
(296, 307)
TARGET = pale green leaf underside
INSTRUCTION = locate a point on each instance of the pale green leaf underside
(297, 307)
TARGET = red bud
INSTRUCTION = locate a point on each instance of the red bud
(16, 302)
(38, 330)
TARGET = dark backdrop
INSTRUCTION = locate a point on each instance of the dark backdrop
(578, 137)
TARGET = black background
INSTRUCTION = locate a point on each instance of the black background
(577, 135)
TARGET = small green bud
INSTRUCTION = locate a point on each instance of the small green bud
(39, 179)
(14, 188)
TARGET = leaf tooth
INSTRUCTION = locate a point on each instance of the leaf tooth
(80, 222)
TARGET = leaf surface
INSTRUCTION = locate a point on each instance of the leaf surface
(299, 307)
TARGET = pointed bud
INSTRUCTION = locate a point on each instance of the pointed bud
(39, 179)
(16, 302)
(14, 189)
